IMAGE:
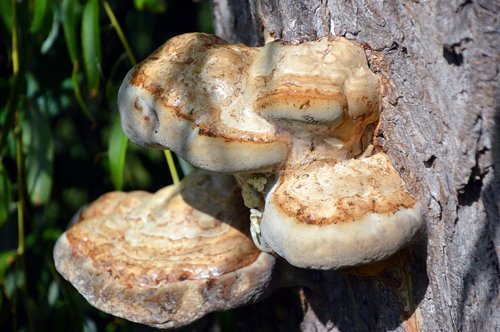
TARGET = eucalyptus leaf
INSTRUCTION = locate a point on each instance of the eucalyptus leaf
(53, 293)
(40, 8)
(91, 44)
(54, 32)
(6, 13)
(69, 16)
(39, 149)
(117, 149)
(140, 4)
(154, 6)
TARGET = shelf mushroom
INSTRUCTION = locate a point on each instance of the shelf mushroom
(168, 258)
(322, 215)
(183, 97)
(294, 123)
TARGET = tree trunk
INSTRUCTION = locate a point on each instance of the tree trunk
(440, 125)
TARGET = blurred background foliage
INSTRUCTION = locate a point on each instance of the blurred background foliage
(61, 146)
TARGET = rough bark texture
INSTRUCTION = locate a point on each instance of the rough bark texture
(441, 127)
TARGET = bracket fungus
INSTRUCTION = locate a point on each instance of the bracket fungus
(168, 258)
(293, 124)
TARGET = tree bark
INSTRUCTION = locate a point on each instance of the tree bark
(440, 124)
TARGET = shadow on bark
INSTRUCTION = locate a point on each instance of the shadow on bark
(281, 311)
(344, 301)
(379, 303)
(481, 275)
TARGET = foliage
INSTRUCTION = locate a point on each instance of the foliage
(61, 63)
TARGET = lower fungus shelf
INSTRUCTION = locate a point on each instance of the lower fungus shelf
(327, 215)
(168, 258)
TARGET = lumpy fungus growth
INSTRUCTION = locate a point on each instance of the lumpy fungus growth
(286, 131)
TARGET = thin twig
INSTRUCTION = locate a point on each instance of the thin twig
(119, 31)
(171, 166)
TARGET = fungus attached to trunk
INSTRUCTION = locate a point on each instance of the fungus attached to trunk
(190, 96)
(323, 215)
(168, 258)
(294, 123)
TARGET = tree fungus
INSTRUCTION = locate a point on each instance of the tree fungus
(168, 258)
(294, 124)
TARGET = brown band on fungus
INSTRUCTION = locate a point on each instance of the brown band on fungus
(347, 193)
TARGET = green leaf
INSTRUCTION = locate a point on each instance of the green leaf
(39, 149)
(139, 4)
(6, 13)
(53, 293)
(54, 32)
(7, 258)
(205, 22)
(154, 6)
(40, 8)
(5, 195)
(91, 44)
(117, 149)
(69, 15)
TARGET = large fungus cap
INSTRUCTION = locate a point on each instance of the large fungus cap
(333, 215)
(216, 104)
(190, 96)
(168, 258)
